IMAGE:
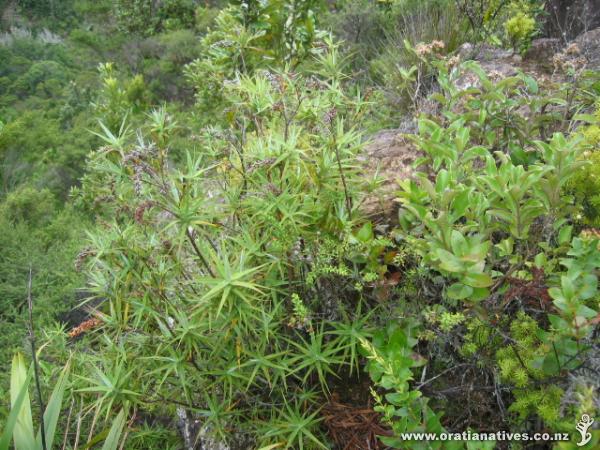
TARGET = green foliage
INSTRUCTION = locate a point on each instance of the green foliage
(137, 16)
(301, 316)
(585, 185)
(372, 29)
(35, 147)
(147, 17)
(469, 201)
(519, 30)
(24, 435)
(43, 7)
(509, 115)
(233, 281)
(576, 298)
(530, 360)
(119, 98)
(448, 321)
(207, 284)
(292, 428)
(247, 38)
(34, 232)
(92, 9)
(379, 39)
(45, 113)
(391, 360)
(114, 434)
(544, 401)
(43, 143)
(478, 337)
(477, 215)
(19, 424)
(36, 79)
(204, 17)
(410, 84)
(177, 14)
(517, 367)
(28, 205)
(591, 132)
(489, 18)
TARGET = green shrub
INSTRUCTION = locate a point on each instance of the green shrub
(29, 150)
(4, 85)
(519, 30)
(38, 73)
(379, 38)
(36, 234)
(147, 17)
(179, 47)
(92, 8)
(215, 249)
(137, 16)
(246, 40)
(87, 38)
(470, 216)
(586, 185)
(29, 206)
(235, 284)
(488, 19)
(119, 97)
(527, 363)
(391, 360)
(177, 14)
(204, 18)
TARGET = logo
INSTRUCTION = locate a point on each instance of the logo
(582, 426)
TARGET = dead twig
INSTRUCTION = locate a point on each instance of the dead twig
(36, 370)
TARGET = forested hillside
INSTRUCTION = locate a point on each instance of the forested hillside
(299, 224)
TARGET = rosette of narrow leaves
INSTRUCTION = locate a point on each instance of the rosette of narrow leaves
(291, 427)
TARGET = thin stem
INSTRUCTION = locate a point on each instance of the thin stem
(337, 156)
(94, 419)
(35, 361)
(197, 250)
(129, 425)
(64, 445)
(423, 383)
(557, 358)
(521, 361)
(78, 430)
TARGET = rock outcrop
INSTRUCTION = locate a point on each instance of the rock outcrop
(389, 156)
(589, 45)
(540, 53)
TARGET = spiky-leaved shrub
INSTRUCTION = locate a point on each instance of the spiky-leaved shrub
(249, 37)
(205, 267)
